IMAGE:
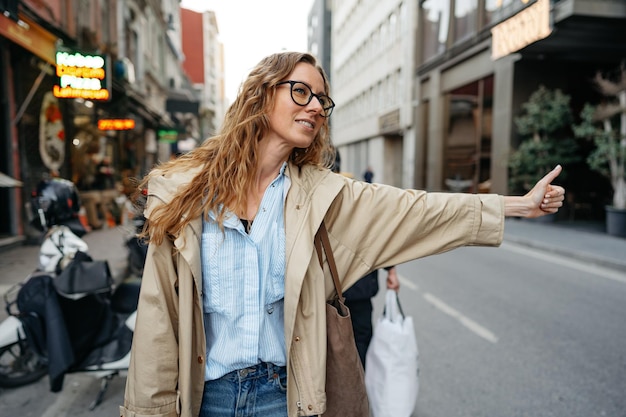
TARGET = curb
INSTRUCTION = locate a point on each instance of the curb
(11, 242)
(570, 253)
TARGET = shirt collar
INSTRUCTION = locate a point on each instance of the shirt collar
(230, 219)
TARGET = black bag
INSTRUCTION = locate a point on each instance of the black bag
(83, 276)
(346, 395)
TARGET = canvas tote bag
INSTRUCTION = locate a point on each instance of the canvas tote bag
(391, 363)
(346, 395)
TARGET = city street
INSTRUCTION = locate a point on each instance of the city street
(510, 331)
(107, 105)
(513, 332)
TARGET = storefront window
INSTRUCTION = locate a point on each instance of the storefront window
(467, 162)
(465, 18)
(435, 25)
(498, 10)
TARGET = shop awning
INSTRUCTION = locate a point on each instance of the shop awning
(31, 36)
(182, 102)
(6, 181)
(593, 35)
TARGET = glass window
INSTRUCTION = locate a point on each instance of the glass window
(435, 23)
(393, 27)
(465, 18)
(497, 10)
(403, 18)
(467, 160)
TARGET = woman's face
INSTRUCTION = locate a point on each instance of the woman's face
(292, 125)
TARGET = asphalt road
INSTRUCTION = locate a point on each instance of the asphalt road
(502, 332)
(515, 332)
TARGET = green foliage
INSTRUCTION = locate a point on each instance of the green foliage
(548, 141)
(545, 112)
(607, 143)
(609, 155)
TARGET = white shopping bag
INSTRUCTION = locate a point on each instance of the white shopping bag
(391, 363)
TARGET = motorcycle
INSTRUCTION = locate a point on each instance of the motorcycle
(67, 316)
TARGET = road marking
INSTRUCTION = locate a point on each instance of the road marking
(572, 263)
(4, 288)
(405, 282)
(444, 308)
(464, 320)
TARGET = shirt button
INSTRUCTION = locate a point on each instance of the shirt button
(200, 359)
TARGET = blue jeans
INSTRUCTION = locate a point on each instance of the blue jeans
(257, 391)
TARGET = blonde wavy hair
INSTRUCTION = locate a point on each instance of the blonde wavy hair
(228, 160)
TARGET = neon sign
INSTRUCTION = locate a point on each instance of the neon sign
(116, 124)
(81, 76)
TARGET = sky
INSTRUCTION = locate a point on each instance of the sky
(253, 29)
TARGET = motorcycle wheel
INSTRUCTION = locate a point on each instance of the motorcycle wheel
(20, 365)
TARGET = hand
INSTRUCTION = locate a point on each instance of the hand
(543, 199)
(546, 198)
(393, 283)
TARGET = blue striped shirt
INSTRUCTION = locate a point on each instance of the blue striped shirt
(243, 278)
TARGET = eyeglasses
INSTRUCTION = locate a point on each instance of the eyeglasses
(302, 95)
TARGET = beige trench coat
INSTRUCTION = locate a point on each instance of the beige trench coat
(370, 226)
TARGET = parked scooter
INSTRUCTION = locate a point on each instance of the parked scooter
(67, 316)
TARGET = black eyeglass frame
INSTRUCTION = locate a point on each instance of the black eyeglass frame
(328, 110)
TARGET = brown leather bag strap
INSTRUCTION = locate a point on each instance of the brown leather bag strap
(322, 242)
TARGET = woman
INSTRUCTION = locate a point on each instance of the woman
(232, 308)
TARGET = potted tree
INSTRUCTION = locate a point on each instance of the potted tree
(547, 139)
(605, 124)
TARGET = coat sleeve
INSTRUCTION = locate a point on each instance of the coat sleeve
(372, 226)
(151, 385)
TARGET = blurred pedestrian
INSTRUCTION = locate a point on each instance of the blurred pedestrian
(368, 175)
(231, 315)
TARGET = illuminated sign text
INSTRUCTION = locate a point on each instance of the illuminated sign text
(528, 26)
(116, 124)
(81, 76)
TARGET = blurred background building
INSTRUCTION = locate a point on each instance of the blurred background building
(427, 91)
(98, 92)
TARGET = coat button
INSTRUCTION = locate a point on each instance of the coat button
(200, 359)
(297, 338)
(310, 407)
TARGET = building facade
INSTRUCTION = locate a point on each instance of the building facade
(206, 68)
(372, 62)
(428, 92)
(480, 60)
(319, 33)
(85, 88)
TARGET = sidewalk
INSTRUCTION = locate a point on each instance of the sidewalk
(16, 262)
(583, 241)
